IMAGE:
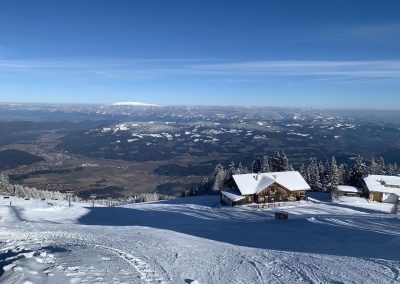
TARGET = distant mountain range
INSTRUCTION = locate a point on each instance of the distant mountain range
(134, 104)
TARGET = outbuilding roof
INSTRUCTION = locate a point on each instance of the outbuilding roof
(348, 188)
(255, 183)
(232, 195)
(384, 184)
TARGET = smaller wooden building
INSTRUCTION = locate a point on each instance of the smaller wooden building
(346, 190)
(382, 188)
(231, 197)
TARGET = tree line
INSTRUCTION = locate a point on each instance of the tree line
(18, 190)
(320, 175)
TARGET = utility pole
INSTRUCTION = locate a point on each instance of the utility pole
(70, 194)
(93, 197)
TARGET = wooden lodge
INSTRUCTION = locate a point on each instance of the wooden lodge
(382, 188)
(265, 188)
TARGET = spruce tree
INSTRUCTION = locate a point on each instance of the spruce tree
(303, 171)
(280, 162)
(265, 168)
(241, 169)
(256, 167)
(333, 174)
(229, 175)
(357, 171)
(392, 169)
(381, 166)
(219, 178)
(313, 174)
(322, 175)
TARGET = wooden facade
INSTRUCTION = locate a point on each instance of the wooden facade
(376, 196)
(273, 193)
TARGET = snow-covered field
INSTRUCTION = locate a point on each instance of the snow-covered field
(194, 240)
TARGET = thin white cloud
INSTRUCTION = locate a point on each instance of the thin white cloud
(387, 68)
(249, 70)
(376, 33)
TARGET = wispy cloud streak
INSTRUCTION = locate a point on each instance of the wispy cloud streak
(126, 68)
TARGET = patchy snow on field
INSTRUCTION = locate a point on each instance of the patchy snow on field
(195, 240)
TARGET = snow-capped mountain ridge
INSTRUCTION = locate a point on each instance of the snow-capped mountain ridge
(134, 104)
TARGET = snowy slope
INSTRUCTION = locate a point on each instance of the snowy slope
(193, 240)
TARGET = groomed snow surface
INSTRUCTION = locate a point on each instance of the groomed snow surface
(195, 240)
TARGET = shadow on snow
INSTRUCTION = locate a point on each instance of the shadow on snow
(294, 235)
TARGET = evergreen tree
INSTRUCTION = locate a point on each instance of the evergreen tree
(265, 168)
(219, 177)
(256, 167)
(357, 171)
(322, 175)
(392, 169)
(373, 169)
(313, 175)
(342, 174)
(232, 169)
(286, 166)
(381, 166)
(229, 176)
(378, 166)
(241, 169)
(280, 162)
(303, 171)
(333, 174)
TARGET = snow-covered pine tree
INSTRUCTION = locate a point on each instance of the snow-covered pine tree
(229, 182)
(333, 174)
(265, 168)
(313, 175)
(322, 175)
(381, 166)
(219, 177)
(232, 169)
(373, 168)
(342, 174)
(392, 169)
(303, 171)
(286, 166)
(241, 169)
(378, 166)
(280, 162)
(275, 162)
(357, 171)
(256, 167)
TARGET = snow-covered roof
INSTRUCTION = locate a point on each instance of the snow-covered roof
(232, 195)
(254, 183)
(385, 184)
(347, 188)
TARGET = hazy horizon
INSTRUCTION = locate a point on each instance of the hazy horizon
(200, 105)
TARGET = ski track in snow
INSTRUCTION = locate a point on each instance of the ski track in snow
(25, 239)
(146, 273)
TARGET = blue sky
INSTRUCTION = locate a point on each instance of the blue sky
(303, 53)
